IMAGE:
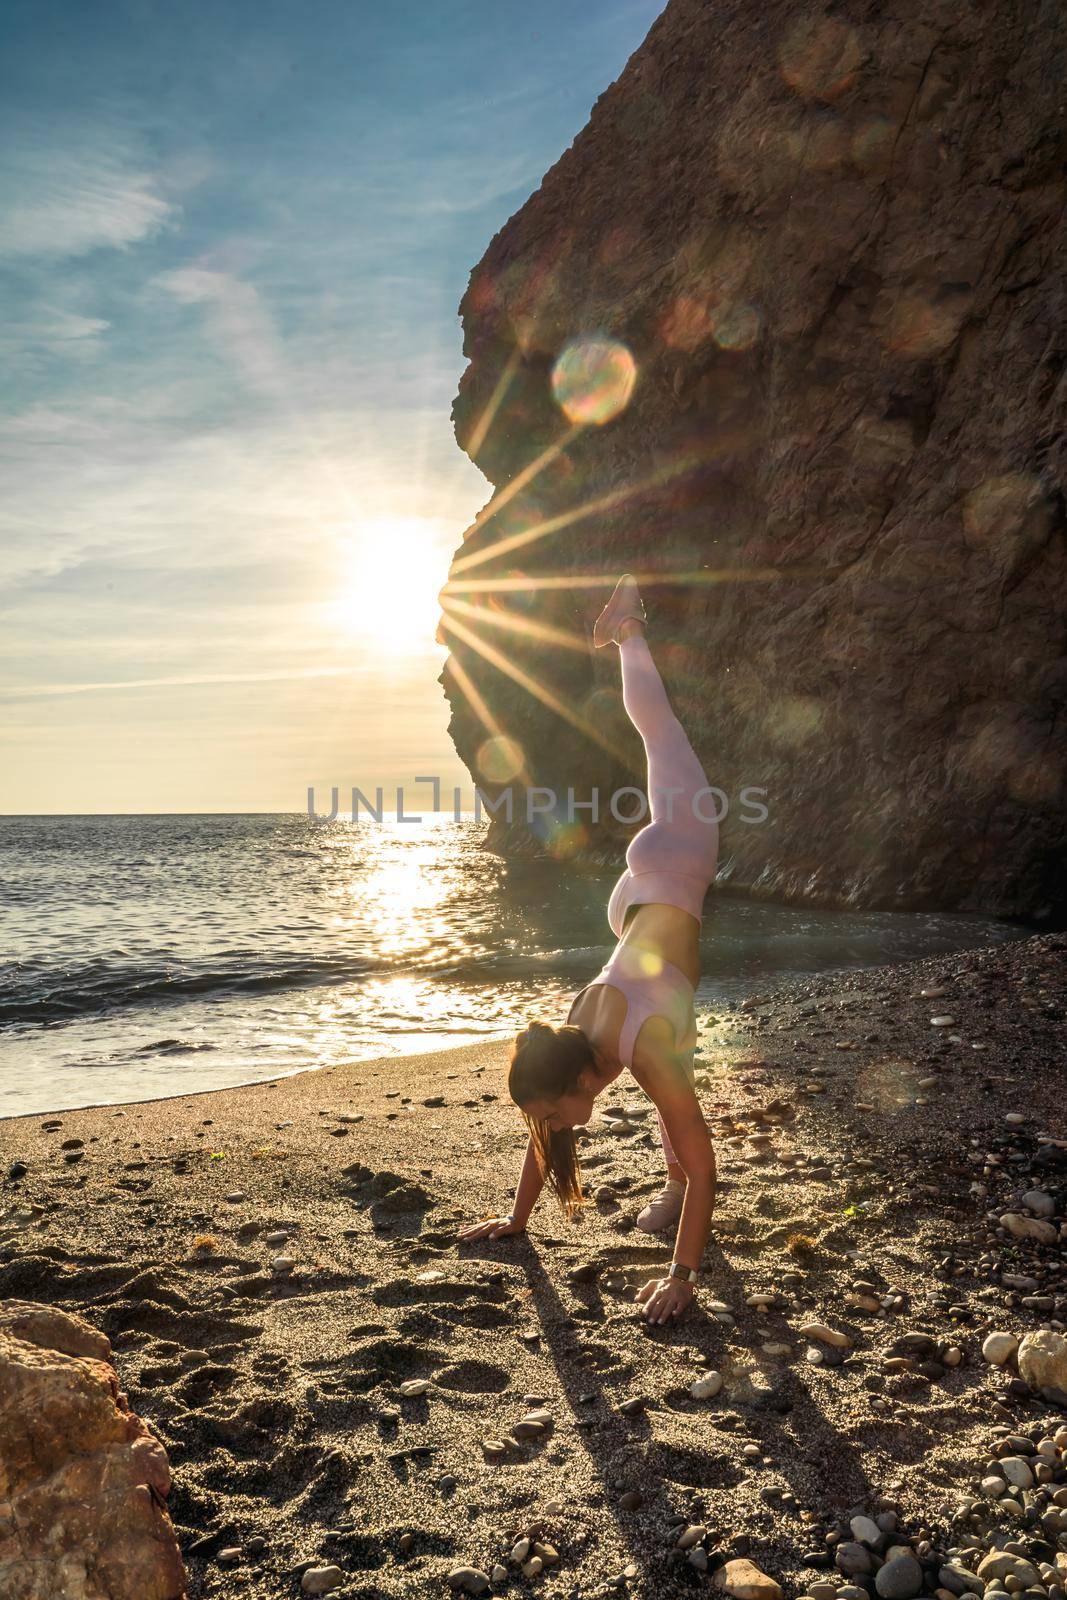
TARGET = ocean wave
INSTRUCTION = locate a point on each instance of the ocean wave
(42, 996)
(57, 995)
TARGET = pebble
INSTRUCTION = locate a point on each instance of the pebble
(1021, 1227)
(998, 1348)
(866, 1530)
(1001, 1564)
(744, 1581)
(320, 1580)
(279, 1236)
(1017, 1471)
(705, 1388)
(901, 1577)
(412, 1387)
(942, 1022)
(469, 1579)
(960, 1580)
(282, 1266)
(691, 1535)
(850, 1557)
(825, 1335)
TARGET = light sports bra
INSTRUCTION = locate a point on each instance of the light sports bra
(651, 987)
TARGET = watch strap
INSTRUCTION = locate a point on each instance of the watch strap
(686, 1274)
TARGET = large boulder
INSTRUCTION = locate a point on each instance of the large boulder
(1043, 1363)
(83, 1483)
(830, 248)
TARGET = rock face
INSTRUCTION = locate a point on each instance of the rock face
(82, 1481)
(828, 436)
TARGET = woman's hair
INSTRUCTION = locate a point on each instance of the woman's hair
(545, 1064)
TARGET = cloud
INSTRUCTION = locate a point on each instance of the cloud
(238, 322)
(67, 188)
(184, 681)
(50, 328)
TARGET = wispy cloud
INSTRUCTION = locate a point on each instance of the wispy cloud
(181, 681)
(70, 186)
(56, 331)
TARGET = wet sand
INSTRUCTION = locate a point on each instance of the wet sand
(273, 1262)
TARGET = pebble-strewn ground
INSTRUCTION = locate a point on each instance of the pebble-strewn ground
(274, 1264)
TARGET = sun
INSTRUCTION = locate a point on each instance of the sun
(393, 571)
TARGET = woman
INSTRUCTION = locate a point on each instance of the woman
(638, 1011)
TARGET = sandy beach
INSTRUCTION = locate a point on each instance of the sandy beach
(272, 1263)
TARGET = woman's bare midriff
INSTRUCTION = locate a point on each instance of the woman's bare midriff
(601, 1010)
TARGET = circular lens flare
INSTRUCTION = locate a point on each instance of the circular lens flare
(738, 328)
(500, 759)
(593, 379)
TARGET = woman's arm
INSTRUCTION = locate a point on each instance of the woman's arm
(659, 1068)
(531, 1183)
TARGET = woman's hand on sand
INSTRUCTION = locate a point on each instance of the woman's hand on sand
(665, 1298)
(492, 1228)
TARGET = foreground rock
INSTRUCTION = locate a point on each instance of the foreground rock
(82, 1481)
(825, 378)
(1043, 1363)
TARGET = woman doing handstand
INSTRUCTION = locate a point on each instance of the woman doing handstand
(638, 1011)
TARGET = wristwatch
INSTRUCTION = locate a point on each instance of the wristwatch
(686, 1274)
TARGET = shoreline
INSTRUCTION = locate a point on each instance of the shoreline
(251, 1083)
(271, 1261)
(723, 994)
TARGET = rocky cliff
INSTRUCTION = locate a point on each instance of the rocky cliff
(783, 333)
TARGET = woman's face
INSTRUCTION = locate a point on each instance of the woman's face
(569, 1111)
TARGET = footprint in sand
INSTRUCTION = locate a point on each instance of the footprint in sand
(473, 1377)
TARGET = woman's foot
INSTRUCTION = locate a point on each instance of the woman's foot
(663, 1209)
(624, 605)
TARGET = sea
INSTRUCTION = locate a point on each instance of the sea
(147, 956)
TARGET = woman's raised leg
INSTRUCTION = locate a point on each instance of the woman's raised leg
(675, 774)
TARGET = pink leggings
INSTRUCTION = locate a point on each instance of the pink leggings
(672, 860)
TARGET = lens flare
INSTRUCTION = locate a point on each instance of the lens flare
(997, 508)
(688, 323)
(820, 57)
(593, 379)
(919, 327)
(566, 840)
(737, 328)
(500, 759)
(873, 144)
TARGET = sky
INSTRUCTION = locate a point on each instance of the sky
(233, 240)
